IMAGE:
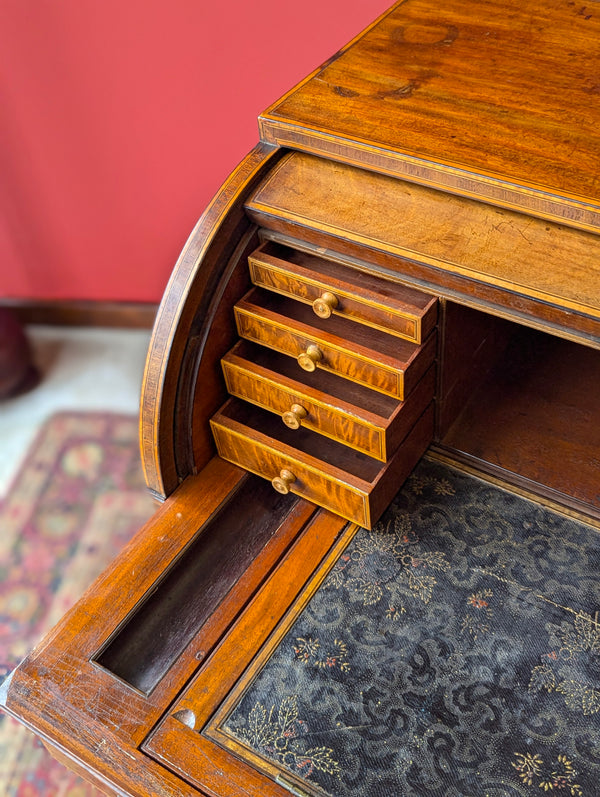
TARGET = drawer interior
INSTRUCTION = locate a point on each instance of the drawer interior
(212, 570)
(364, 284)
(362, 296)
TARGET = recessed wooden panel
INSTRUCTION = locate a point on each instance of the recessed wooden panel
(162, 626)
(176, 741)
(522, 267)
(537, 416)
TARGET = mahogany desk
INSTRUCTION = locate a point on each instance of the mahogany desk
(433, 191)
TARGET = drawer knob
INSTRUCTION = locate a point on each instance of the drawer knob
(308, 359)
(293, 417)
(282, 482)
(324, 305)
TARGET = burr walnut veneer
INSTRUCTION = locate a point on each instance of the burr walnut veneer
(408, 261)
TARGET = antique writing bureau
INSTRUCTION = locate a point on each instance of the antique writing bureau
(409, 260)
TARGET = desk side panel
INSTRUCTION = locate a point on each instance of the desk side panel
(188, 310)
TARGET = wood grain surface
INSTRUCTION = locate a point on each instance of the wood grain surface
(180, 746)
(468, 238)
(194, 281)
(358, 353)
(362, 297)
(340, 415)
(495, 100)
(536, 415)
(331, 475)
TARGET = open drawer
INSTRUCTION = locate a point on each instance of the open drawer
(363, 355)
(364, 419)
(332, 289)
(332, 475)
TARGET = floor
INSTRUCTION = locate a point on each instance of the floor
(81, 368)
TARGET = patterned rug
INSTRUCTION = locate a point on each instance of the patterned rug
(77, 499)
(454, 651)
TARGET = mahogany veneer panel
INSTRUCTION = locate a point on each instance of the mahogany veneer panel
(473, 97)
(453, 246)
(364, 419)
(330, 474)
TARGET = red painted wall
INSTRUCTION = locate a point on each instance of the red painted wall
(120, 119)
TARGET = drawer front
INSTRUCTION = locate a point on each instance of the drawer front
(267, 458)
(359, 499)
(300, 405)
(342, 356)
(335, 355)
(297, 406)
(363, 298)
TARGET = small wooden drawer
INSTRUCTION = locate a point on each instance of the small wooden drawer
(332, 289)
(361, 418)
(331, 475)
(361, 354)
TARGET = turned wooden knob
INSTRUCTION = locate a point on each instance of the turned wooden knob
(325, 304)
(293, 417)
(282, 482)
(308, 359)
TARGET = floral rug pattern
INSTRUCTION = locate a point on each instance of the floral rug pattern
(453, 651)
(77, 499)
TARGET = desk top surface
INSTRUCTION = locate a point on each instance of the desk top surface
(493, 99)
